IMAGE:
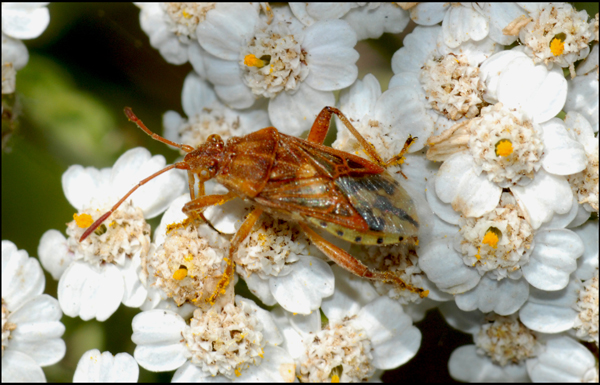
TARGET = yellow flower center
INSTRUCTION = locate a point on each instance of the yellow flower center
(83, 220)
(557, 45)
(492, 237)
(252, 61)
(504, 147)
(181, 273)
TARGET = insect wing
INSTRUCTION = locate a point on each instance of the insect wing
(382, 203)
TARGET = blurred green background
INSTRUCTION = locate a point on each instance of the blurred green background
(92, 61)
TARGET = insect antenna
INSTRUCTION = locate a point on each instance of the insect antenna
(180, 165)
(131, 116)
(98, 222)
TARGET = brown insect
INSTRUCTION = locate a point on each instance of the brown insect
(301, 181)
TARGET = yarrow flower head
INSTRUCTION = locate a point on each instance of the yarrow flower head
(557, 34)
(284, 61)
(31, 327)
(237, 341)
(208, 116)
(346, 348)
(111, 256)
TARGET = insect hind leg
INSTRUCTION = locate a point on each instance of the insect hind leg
(353, 265)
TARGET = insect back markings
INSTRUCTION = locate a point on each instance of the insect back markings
(379, 199)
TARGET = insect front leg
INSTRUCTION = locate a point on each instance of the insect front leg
(319, 129)
(236, 241)
(353, 265)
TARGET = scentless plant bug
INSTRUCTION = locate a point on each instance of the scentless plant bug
(302, 181)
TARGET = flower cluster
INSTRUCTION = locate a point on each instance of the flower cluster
(488, 134)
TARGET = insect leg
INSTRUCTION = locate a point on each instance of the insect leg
(321, 125)
(236, 241)
(196, 207)
(353, 265)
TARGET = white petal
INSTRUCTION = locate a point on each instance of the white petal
(39, 330)
(54, 253)
(463, 23)
(196, 56)
(533, 88)
(553, 259)
(96, 367)
(196, 95)
(14, 51)
(411, 119)
(226, 28)
(582, 130)
(428, 13)
(25, 23)
(134, 293)
(22, 277)
(302, 291)
(468, 366)
(372, 23)
(81, 185)
(155, 196)
(394, 339)
(562, 154)
(446, 269)
(467, 322)
(418, 47)
(351, 294)
(157, 334)
(90, 292)
(294, 114)
(260, 288)
(564, 360)
(499, 16)
(270, 332)
(457, 183)
(588, 263)
(545, 195)
(19, 367)
(503, 297)
(359, 100)
(331, 56)
(443, 210)
(491, 70)
(276, 366)
(583, 97)
(189, 372)
(560, 221)
(550, 311)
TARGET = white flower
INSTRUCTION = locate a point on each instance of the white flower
(94, 366)
(96, 275)
(505, 148)
(24, 20)
(491, 261)
(575, 307)
(563, 360)
(19, 21)
(208, 116)
(14, 57)
(583, 90)
(503, 346)
(557, 34)
(444, 84)
(292, 65)
(31, 327)
(236, 342)
(171, 28)
(365, 332)
(462, 22)
(369, 20)
(585, 183)
(184, 264)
